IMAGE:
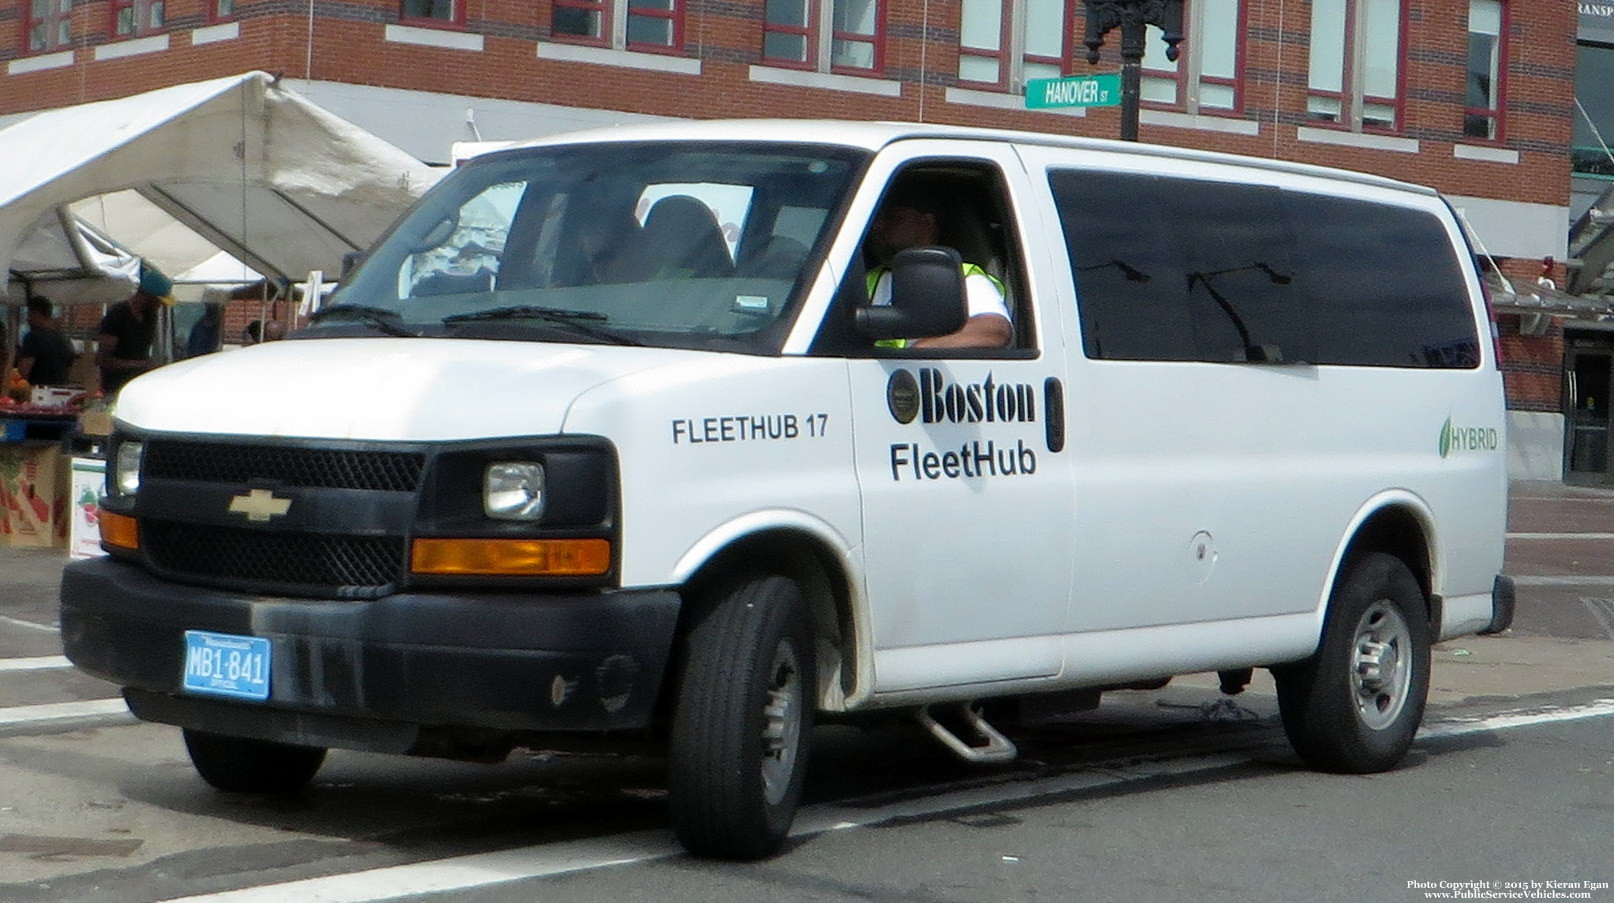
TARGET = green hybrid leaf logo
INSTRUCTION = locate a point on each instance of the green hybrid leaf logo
(1455, 439)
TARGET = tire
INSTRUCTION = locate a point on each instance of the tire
(1355, 705)
(243, 765)
(740, 732)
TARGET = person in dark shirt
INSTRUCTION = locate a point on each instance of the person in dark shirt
(128, 329)
(45, 356)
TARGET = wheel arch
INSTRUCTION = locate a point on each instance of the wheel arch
(810, 554)
(1398, 524)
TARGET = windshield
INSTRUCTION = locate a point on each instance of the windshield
(682, 245)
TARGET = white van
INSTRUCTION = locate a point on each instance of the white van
(597, 444)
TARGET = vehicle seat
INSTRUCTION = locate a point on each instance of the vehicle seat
(981, 242)
(681, 237)
(779, 257)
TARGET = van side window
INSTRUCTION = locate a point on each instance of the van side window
(1197, 270)
(968, 202)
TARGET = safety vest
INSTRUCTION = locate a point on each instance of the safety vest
(873, 279)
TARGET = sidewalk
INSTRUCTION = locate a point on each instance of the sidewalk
(1560, 550)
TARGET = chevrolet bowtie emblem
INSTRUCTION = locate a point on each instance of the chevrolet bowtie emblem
(259, 505)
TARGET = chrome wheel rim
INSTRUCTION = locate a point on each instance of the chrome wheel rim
(781, 723)
(1381, 665)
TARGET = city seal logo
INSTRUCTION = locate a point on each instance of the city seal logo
(902, 396)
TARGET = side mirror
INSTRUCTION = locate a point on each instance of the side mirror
(927, 297)
(350, 262)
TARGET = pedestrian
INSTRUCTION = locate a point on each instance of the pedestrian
(45, 356)
(129, 328)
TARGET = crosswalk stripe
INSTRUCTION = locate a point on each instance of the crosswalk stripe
(39, 663)
(58, 711)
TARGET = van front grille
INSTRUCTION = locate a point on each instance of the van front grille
(381, 471)
(350, 567)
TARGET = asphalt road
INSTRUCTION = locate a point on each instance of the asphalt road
(1170, 795)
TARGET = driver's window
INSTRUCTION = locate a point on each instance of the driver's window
(962, 205)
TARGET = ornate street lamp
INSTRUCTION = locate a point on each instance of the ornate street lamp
(1131, 16)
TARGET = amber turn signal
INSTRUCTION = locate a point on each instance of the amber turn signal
(511, 557)
(119, 530)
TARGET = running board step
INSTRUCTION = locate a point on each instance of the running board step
(997, 748)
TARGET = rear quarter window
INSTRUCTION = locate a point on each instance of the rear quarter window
(1200, 270)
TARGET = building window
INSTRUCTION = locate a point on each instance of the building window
(137, 17)
(653, 25)
(1487, 69)
(438, 12)
(1005, 43)
(1594, 111)
(794, 34)
(1206, 77)
(50, 25)
(1355, 73)
(222, 10)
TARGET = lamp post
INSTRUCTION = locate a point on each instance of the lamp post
(1131, 16)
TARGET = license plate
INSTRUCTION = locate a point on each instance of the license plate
(222, 664)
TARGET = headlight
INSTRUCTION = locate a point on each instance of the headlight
(513, 490)
(126, 468)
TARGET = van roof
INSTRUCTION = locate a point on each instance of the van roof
(874, 136)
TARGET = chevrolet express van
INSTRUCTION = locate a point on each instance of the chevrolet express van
(604, 442)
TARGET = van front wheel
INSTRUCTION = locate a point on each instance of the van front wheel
(244, 765)
(744, 712)
(1356, 704)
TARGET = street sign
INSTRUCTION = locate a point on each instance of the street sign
(1074, 91)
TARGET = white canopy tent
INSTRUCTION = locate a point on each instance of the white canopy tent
(248, 166)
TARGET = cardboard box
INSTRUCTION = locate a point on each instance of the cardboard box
(33, 497)
(95, 423)
(52, 396)
(84, 512)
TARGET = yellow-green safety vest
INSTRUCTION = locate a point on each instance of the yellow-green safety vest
(873, 279)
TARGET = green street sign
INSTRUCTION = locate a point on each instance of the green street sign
(1074, 91)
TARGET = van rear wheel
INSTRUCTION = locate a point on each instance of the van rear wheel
(744, 713)
(1355, 705)
(245, 765)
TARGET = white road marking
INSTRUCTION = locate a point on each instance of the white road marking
(504, 866)
(1563, 581)
(1561, 536)
(58, 711)
(1602, 611)
(30, 625)
(41, 663)
(1458, 727)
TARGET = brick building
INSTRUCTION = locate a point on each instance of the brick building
(1474, 97)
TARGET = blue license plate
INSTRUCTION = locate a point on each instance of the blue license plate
(223, 664)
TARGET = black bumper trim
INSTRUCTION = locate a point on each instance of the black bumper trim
(521, 662)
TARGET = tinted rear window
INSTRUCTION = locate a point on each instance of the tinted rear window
(1192, 270)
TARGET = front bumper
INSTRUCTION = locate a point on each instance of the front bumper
(386, 674)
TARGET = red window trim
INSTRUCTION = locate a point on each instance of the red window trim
(812, 33)
(1180, 76)
(853, 37)
(1497, 115)
(808, 31)
(675, 15)
(603, 7)
(29, 20)
(1066, 61)
(1348, 113)
(455, 22)
(215, 18)
(1005, 39)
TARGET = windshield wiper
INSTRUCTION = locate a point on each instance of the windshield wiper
(388, 321)
(576, 320)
